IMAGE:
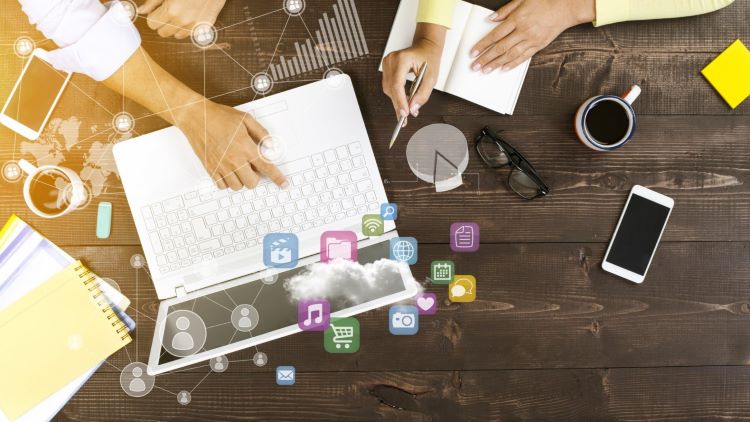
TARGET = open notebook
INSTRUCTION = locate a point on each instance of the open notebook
(497, 91)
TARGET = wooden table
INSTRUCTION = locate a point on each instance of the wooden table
(551, 336)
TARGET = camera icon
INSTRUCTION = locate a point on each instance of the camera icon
(403, 320)
(399, 320)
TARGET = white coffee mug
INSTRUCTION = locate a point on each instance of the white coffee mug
(625, 102)
(69, 198)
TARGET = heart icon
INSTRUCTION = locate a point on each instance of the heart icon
(426, 304)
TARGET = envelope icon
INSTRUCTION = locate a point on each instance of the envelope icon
(285, 375)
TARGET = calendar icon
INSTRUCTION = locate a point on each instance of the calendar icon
(443, 271)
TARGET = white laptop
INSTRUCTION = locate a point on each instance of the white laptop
(204, 247)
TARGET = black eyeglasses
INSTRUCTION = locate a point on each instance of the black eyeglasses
(498, 153)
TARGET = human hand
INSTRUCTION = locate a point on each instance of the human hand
(178, 17)
(226, 141)
(427, 47)
(525, 27)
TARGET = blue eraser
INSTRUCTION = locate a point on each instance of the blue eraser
(104, 220)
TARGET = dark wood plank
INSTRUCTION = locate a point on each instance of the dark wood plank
(539, 306)
(680, 394)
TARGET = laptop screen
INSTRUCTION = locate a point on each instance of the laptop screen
(275, 307)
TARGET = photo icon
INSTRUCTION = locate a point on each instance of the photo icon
(403, 320)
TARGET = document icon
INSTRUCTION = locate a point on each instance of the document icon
(464, 237)
(338, 245)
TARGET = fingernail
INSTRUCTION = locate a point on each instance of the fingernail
(493, 16)
(476, 66)
(487, 70)
(285, 185)
(503, 68)
(474, 53)
(405, 121)
(403, 113)
(415, 110)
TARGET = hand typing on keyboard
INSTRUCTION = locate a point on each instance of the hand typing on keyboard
(226, 141)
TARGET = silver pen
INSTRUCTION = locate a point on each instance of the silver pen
(414, 88)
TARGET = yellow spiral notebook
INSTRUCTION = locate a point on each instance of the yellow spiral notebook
(54, 334)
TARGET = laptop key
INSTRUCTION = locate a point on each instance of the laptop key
(173, 204)
(205, 208)
(209, 245)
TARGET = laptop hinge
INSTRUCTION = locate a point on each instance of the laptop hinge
(180, 291)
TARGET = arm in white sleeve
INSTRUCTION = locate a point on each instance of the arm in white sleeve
(93, 39)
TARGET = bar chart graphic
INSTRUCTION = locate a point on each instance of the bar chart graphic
(338, 39)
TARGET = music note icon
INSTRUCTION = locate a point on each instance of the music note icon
(313, 315)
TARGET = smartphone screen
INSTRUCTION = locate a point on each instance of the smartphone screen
(639, 232)
(36, 94)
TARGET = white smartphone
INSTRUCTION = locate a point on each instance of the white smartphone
(34, 96)
(637, 234)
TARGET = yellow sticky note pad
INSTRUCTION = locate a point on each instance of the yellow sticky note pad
(729, 73)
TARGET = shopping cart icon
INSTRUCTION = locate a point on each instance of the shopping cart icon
(342, 336)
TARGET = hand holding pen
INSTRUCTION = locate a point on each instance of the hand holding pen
(426, 48)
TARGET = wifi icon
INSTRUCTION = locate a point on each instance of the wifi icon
(372, 225)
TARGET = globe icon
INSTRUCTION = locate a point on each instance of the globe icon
(403, 250)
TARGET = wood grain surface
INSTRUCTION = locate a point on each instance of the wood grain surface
(551, 336)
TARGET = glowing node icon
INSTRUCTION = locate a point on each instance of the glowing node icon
(130, 8)
(135, 381)
(260, 359)
(330, 77)
(130, 12)
(12, 172)
(219, 363)
(137, 261)
(184, 333)
(183, 397)
(204, 35)
(24, 46)
(245, 317)
(123, 122)
(262, 83)
(269, 277)
(272, 149)
(294, 7)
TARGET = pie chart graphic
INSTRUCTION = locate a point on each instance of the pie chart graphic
(438, 154)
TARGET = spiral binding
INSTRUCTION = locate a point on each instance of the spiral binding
(89, 281)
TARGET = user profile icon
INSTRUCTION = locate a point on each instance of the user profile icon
(260, 359)
(294, 7)
(184, 333)
(137, 261)
(244, 317)
(135, 381)
(24, 46)
(262, 83)
(219, 363)
(12, 172)
(183, 397)
(123, 123)
(204, 35)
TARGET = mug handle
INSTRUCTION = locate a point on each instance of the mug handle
(27, 167)
(632, 94)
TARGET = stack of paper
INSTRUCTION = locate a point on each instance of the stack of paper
(29, 262)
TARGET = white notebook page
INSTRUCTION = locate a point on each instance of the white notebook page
(497, 90)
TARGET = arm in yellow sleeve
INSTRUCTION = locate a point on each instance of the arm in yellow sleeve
(612, 11)
(439, 12)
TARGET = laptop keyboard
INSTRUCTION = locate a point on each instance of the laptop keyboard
(204, 224)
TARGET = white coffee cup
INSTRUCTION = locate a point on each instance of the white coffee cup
(69, 197)
(625, 105)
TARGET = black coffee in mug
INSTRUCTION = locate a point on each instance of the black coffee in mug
(607, 122)
(49, 190)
